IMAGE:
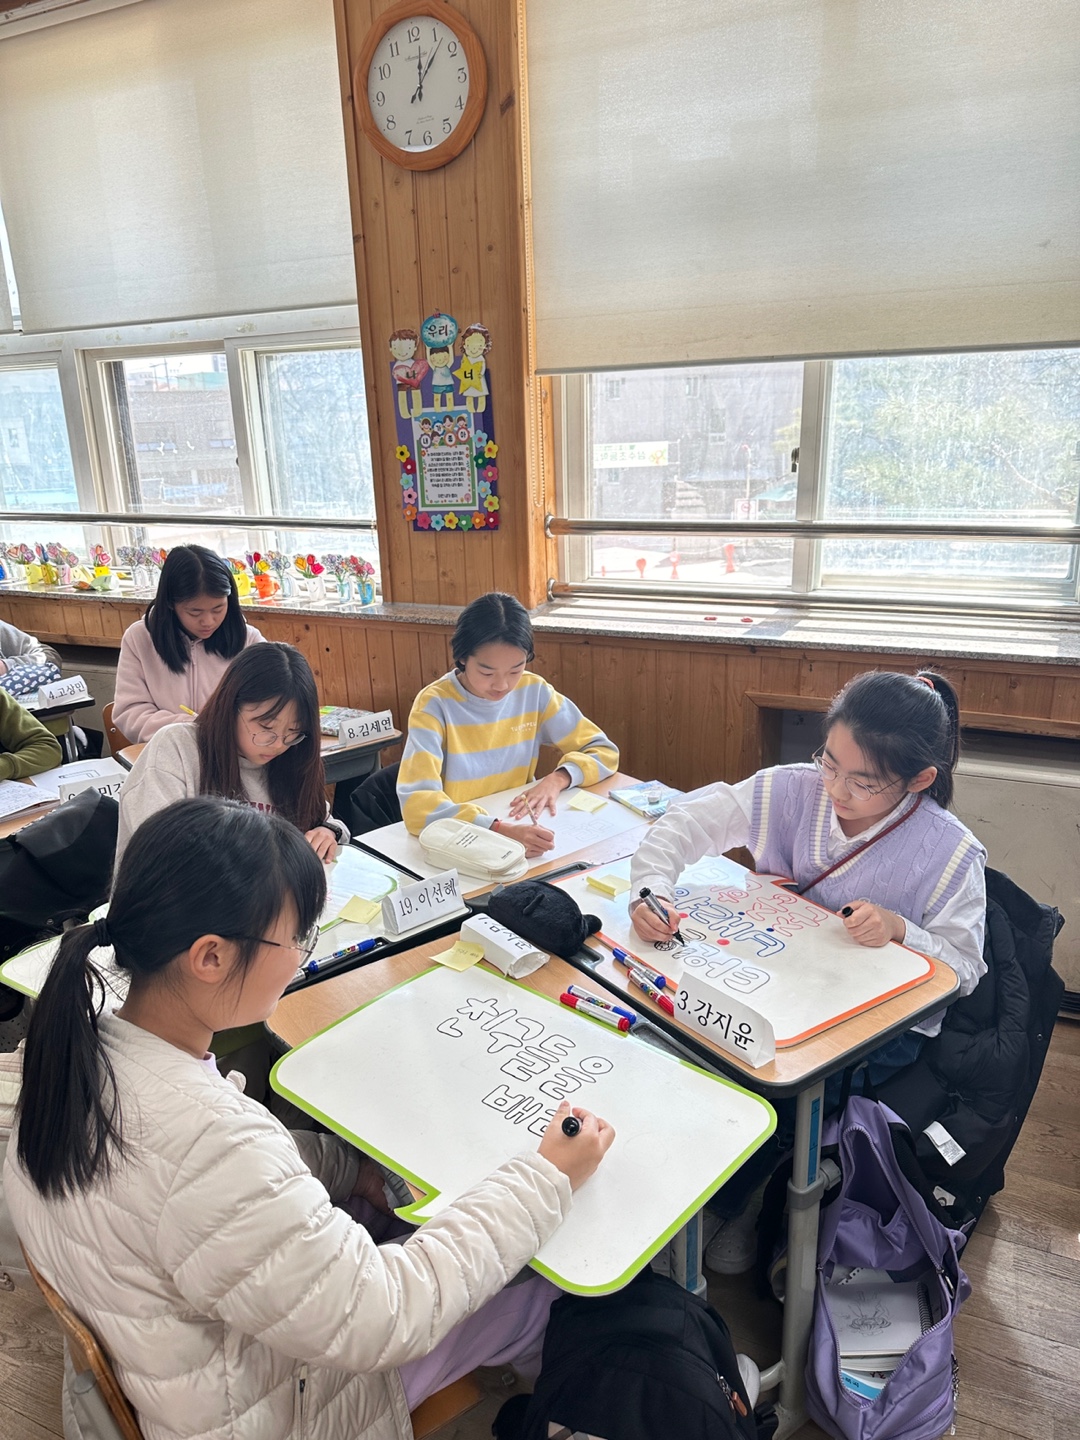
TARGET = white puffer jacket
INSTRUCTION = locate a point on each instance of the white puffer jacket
(216, 1271)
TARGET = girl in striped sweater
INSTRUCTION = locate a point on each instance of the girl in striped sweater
(479, 729)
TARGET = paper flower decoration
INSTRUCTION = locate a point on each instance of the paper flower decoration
(483, 489)
(451, 521)
(490, 473)
(338, 565)
(308, 566)
(403, 453)
(100, 555)
(491, 449)
(408, 497)
(491, 503)
(409, 467)
(362, 569)
(437, 522)
(425, 521)
(410, 512)
(478, 521)
(280, 564)
(480, 436)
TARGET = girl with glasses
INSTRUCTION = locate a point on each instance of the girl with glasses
(172, 660)
(212, 1250)
(877, 793)
(256, 739)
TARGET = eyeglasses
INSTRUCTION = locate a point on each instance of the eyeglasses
(305, 947)
(855, 788)
(263, 739)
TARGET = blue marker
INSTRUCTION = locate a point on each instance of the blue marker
(633, 963)
(583, 994)
(314, 966)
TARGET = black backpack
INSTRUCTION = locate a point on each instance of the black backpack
(651, 1362)
(60, 867)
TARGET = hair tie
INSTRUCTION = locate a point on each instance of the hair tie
(925, 680)
(101, 933)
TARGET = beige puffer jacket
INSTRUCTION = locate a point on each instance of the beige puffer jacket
(216, 1271)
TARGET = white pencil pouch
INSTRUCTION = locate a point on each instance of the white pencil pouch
(455, 845)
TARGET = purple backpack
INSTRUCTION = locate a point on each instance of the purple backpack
(879, 1221)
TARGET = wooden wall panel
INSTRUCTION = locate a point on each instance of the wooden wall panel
(683, 712)
(453, 239)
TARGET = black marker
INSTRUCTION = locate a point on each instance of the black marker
(571, 1125)
(846, 911)
(658, 909)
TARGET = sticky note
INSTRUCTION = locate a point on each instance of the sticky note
(584, 800)
(613, 885)
(462, 956)
(360, 911)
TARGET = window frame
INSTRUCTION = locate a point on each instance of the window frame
(811, 584)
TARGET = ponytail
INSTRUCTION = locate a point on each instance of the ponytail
(68, 1108)
(904, 724)
(199, 867)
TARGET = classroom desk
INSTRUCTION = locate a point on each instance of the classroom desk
(58, 712)
(799, 1071)
(11, 823)
(603, 852)
(340, 762)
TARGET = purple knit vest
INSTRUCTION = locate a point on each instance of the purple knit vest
(912, 872)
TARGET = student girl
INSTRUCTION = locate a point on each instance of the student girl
(171, 661)
(479, 729)
(26, 747)
(195, 1233)
(865, 829)
(256, 739)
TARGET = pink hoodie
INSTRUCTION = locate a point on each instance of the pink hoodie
(149, 694)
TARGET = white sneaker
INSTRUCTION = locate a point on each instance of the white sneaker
(733, 1249)
(751, 1378)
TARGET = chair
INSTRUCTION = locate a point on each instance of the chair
(116, 737)
(94, 1392)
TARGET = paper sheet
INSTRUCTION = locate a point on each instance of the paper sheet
(461, 956)
(573, 830)
(15, 796)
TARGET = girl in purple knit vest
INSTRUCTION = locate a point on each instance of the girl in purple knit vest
(885, 776)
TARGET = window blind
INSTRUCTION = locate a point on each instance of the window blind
(794, 178)
(173, 159)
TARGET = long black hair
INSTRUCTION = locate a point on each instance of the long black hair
(190, 571)
(904, 723)
(271, 675)
(491, 619)
(199, 867)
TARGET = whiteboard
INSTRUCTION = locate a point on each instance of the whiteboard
(449, 1075)
(574, 830)
(789, 959)
(353, 873)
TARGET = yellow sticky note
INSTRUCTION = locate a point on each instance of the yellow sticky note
(360, 911)
(613, 885)
(461, 957)
(585, 800)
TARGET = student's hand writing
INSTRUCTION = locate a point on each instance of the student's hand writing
(577, 1156)
(649, 925)
(540, 797)
(871, 924)
(323, 841)
(369, 1185)
(534, 837)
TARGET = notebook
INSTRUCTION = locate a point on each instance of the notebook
(648, 798)
(876, 1319)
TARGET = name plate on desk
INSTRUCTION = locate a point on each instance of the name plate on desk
(731, 1024)
(365, 727)
(103, 784)
(62, 692)
(411, 905)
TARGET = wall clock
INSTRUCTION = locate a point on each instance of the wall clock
(420, 84)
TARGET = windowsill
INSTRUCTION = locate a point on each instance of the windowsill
(757, 625)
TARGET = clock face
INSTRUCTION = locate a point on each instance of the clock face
(418, 84)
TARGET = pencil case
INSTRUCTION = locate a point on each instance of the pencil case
(456, 845)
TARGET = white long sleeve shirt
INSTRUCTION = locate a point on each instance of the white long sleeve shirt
(716, 819)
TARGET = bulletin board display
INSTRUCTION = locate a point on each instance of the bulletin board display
(480, 1064)
(790, 960)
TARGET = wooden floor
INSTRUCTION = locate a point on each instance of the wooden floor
(1018, 1337)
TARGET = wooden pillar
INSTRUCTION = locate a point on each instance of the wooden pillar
(454, 239)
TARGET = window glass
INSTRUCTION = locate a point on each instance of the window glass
(954, 438)
(35, 458)
(707, 443)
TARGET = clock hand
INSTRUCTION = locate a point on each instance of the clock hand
(427, 67)
(418, 93)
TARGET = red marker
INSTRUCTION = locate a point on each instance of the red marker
(596, 1012)
(636, 978)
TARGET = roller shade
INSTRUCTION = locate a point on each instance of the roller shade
(789, 178)
(175, 158)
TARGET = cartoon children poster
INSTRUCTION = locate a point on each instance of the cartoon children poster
(449, 474)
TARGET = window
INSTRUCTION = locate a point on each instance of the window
(36, 472)
(942, 442)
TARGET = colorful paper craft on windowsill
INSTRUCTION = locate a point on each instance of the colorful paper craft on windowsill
(445, 431)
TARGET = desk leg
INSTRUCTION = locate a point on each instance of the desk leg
(805, 1190)
(686, 1256)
